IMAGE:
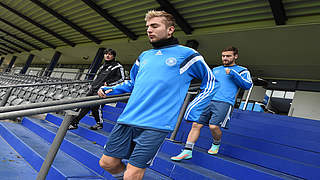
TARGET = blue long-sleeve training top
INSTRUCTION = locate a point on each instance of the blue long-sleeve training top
(159, 81)
(227, 85)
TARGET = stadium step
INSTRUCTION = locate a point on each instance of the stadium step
(12, 165)
(185, 170)
(245, 143)
(111, 109)
(34, 149)
(83, 131)
(232, 167)
(258, 138)
(274, 118)
(292, 144)
(305, 138)
(85, 151)
(98, 136)
(161, 160)
(75, 146)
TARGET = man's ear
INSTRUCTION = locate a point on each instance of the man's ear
(236, 56)
(171, 30)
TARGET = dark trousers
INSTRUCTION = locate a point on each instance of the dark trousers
(94, 109)
(95, 113)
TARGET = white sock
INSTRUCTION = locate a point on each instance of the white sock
(189, 146)
(119, 176)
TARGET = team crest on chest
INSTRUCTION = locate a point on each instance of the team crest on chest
(171, 61)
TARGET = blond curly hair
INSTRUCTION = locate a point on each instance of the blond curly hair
(170, 21)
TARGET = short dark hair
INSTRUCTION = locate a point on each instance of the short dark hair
(111, 51)
(231, 48)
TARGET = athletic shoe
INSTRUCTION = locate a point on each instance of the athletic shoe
(185, 154)
(214, 149)
(73, 126)
(97, 126)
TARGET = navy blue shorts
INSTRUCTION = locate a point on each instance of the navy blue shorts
(138, 145)
(216, 113)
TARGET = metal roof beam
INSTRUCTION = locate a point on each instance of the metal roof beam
(65, 20)
(104, 13)
(37, 24)
(3, 53)
(183, 24)
(6, 50)
(12, 48)
(20, 39)
(28, 33)
(17, 45)
(278, 11)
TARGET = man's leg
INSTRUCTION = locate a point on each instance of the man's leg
(194, 135)
(216, 134)
(75, 121)
(97, 114)
(134, 173)
(194, 132)
(147, 145)
(119, 146)
(113, 165)
(220, 117)
(192, 138)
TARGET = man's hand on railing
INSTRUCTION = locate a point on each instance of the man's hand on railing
(103, 93)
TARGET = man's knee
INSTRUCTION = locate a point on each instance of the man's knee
(196, 125)
(214, 128)
(109, 163)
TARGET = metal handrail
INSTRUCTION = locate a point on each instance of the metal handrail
(46, 104)
(65, 106)
(62, 72)
(54, 71)
(27, 110)
(43, 84)
(40, 71)
(63, 127)
(10, 88)
(247, 99)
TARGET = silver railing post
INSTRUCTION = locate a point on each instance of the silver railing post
(247, 99)
(181, 114)
(54, 147)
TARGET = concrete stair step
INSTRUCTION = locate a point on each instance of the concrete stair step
(34, 149)
(86, 151)
(12, 165)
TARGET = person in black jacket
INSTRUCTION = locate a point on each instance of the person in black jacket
(109, 74)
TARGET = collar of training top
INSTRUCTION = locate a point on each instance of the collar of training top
(165, 42)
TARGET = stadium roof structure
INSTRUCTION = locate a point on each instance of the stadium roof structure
(271, 34)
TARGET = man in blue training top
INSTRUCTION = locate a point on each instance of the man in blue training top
(228, 79)
(159, 81)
